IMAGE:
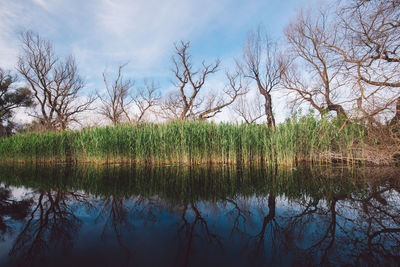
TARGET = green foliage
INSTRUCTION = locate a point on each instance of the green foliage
(192, 142)
(10, 99)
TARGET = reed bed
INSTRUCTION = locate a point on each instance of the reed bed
(298, 139)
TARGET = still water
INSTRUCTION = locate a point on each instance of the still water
(178, 216)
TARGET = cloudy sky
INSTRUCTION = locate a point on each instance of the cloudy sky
(104, 33)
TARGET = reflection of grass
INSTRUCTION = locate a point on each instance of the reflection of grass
(186, 184)
(298, 139)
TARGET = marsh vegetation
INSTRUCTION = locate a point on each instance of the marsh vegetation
(296, 141)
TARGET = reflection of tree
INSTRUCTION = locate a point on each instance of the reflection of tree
(269, 227)
(116, 216)
(326, 241)
(269, 219)
(188, 231)
(240, 216)
(119, 213)
(14, 209)
(327, 222)
(377, 224)
(358, 227)
(268, 231)
(51, 223)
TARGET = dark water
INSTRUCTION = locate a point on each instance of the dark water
(177, 216)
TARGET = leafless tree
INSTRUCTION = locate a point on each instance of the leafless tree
(171, 106)
(249, 109)
(317, 74)
(372, 50)
(119, 99)
(263, 63)
(190, 101)
(55, 83)
(146, 98)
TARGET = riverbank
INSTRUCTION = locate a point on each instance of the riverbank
(304, 139)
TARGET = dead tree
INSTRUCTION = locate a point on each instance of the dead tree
(263, 64)
(55, 83)
(317, 74)
(190, 101)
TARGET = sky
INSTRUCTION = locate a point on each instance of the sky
(102, 34)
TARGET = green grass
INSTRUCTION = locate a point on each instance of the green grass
(191, 142)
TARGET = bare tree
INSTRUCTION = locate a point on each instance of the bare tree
(317, 74)
(372, 50)
(119, 99)
(146, 98)
(188, 102)
(171, 106)
(55, 83)
(250, 109)
(263, 64)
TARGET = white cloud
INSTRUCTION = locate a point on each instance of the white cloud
(42, 3)
(144, 31)
(8, 49)
(105, 33)
(18, 16)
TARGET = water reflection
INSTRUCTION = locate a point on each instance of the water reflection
(11, 210)
(176, 216)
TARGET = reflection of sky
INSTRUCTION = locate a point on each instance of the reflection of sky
(18, 193)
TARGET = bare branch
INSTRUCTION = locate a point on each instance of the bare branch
(147, 97)
(55, 84)
(249, 109)
(308, 37)
(263, 63)
(117, 98)
(190, 100)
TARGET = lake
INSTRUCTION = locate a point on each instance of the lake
(60, 215)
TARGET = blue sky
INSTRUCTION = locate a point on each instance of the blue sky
(104, 33)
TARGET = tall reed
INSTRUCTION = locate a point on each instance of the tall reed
(192, 142)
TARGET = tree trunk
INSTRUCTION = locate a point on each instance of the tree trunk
(268, 110)
(396, 118)
(339, 110)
